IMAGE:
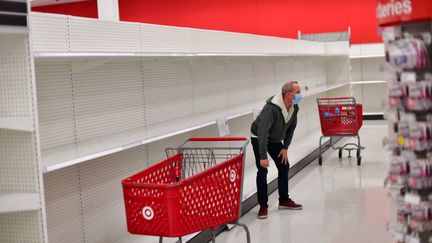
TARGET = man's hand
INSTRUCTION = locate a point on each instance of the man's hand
(264, 163)
(284, 154)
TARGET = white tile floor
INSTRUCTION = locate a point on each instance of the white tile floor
(342, 202)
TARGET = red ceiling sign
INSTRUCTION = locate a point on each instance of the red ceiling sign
(392, 12)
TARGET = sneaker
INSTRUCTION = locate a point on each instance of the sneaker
(290, 204)
(263, 212)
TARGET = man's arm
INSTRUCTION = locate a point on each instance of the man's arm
(290, 133)
(263, 130)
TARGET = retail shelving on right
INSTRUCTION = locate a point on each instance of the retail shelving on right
(407, 35)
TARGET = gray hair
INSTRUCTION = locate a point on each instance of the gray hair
(288, 87)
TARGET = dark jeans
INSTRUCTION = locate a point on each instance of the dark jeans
(261, 180)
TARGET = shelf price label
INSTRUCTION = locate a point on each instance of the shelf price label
(223, 127)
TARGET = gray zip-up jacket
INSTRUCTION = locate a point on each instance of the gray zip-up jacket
(271, 125)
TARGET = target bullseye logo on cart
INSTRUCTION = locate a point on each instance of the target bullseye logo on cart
(233, 175)
(148, 213)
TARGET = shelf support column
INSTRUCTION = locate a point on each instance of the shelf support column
(108, 10)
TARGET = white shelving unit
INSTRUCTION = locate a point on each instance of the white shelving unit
(367, 85)
(22, 208)
(107, 109)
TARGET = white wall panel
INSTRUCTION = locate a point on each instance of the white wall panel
(372, 49)
(240, 82)
(357, 92)
(93, 35)
(356, 69)
(108, 99)
(49, 32)
(209, 80)
(373, 96)
(207, 41)
(168, 91)
(21, 227)
(338, 69)
(18, 169)
(56, 118)
(14, 76)
(63, 205)
(104, 216)
(157, 38)
(371, 69)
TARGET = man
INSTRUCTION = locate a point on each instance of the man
(276, 122)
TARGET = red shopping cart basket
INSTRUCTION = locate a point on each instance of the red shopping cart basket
(341, 117)
(198, 187)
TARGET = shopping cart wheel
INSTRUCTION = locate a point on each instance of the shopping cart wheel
(340, 154)
(359, 161)
(358, 153)
(320, 160)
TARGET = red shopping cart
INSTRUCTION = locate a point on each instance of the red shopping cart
(198, 187)
(340, 117)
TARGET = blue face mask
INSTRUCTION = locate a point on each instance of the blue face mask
(297, 99)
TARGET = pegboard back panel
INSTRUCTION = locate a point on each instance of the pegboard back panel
(108, 99)
(240, 85)
(14, 76)
(209, 85)
(104, 217)
(18, 168)
(55, 104)
(207, 41)
(63, 206)
(156, 38)
(264, 81)
(49, 32)
(240, 43)
(21, 227)
(167, 91)
(93, 35)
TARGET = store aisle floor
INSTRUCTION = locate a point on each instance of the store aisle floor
(342, 202)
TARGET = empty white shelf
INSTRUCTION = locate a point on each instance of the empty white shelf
(323, 88)
(94, 148)
(372, 113)
(368, 56)
(369, 82)
(17, 123)
(16, 202)
(45, 55)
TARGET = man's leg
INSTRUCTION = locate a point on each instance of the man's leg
(283, 169)
(261, 179)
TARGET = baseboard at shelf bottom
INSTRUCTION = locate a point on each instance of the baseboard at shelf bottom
(373, 116)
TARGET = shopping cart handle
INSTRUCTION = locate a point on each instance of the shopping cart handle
(213, 139)
(337, 98)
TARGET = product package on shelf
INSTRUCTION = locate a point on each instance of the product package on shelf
(406, 29)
